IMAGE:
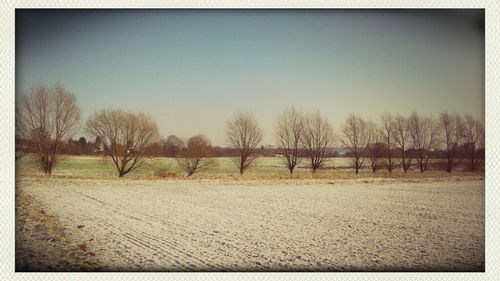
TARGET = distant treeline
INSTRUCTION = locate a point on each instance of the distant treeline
(166, 148)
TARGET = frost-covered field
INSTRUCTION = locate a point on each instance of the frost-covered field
(250, 225)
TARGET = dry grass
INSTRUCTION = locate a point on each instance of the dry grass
(164, 173)
(35, 212)
(42, 244)
(322, 175)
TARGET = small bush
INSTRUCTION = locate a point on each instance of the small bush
(164, 173)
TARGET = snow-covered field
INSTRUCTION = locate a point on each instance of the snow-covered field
(248, 225)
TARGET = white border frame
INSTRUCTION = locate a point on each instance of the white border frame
(7, 176)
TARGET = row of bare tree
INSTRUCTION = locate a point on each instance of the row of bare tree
(414, 138)
(308, 136)
(300, 136)
(393, 141)
(47, 117)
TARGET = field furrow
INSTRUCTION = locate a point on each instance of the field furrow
(202, 226)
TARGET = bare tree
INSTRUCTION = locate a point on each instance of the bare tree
(243, 136)
(474, 140)
(172, 146)
(46, 118)
(432, 141)
(196, 155)
(388, 136)
(357, 137)
(423, 134)
(127, 137)
(289, 137)
(375, 148)
(402, 138)
(451, 136)
(318, 137)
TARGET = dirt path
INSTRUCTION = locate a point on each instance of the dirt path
(184, 226)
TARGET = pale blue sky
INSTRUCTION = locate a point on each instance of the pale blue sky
(191, 69)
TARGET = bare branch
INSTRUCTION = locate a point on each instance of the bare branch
(388, 127)
(451, 135)
(423, 132)
(289, 133)
(375, 149)
(196, 155)
(403, 141)
(357, 137)
(126, 136)
(46, 119)
(474, 140)
(243, 135)
(318, 137)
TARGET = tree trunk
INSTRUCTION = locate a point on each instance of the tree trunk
(389, 159)
(472, 164)
(404, 164)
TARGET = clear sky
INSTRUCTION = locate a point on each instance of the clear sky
(192, 69)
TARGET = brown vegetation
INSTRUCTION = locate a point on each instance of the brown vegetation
(196, 155)
(43, 245)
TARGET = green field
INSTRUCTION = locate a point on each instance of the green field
(265, 167)
(99, 166)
